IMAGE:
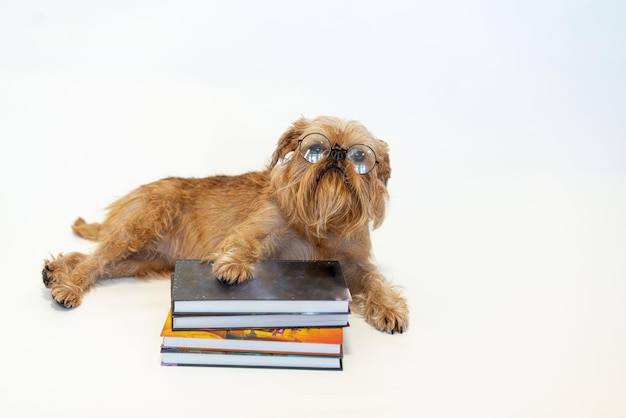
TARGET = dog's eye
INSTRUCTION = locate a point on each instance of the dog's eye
(358, 156)
(315, 153)
(314, 147)
(362, 157)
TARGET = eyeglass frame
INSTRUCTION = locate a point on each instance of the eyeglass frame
(337, 153)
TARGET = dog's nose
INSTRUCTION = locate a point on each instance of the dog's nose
(337, 153)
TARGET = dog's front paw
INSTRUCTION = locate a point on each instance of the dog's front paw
(229, 270)
(387, 311)
(388, 319)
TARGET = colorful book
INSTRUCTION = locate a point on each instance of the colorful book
(317, 341)
(278, 287)
(188, 357)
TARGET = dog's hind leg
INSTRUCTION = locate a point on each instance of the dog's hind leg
(60, 267)
(130, 239)
(122, 254)
(70, 276)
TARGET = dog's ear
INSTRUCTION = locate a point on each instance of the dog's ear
(288, 142)
(383, 168)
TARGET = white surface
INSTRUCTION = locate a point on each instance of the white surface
(506, 224)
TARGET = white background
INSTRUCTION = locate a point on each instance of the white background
(506, 225)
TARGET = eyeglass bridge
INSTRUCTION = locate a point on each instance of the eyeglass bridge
(337, 153)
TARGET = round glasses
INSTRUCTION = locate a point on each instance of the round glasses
(316, 147)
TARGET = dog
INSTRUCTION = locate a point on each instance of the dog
(321, 193)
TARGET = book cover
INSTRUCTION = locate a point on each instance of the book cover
(318, 341)
(189, 357)
(278, 286)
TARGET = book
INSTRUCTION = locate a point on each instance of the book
(278, 287)
(189, 357)
(289, 315)
(318, 341)
(256, 321)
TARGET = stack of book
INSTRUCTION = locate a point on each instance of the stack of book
(291, 314)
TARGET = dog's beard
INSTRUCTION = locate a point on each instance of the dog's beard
(327, 198)
(332, 203)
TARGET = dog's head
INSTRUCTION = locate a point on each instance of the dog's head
(330, 176)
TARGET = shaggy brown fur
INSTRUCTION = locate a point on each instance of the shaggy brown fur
(292, 210)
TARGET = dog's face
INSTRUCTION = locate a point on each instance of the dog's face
(330, 176)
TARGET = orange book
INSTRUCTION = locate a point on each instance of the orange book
(308, 341)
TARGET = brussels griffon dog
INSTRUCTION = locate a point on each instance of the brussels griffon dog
(322, 191)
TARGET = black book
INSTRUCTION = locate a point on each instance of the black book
(282, 293)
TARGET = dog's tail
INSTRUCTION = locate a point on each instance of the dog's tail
(85, 230)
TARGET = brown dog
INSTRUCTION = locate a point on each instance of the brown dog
(322, 191)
